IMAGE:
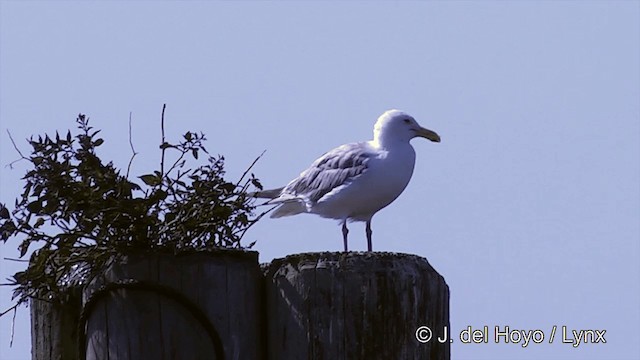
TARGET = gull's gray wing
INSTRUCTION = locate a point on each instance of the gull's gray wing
(335, 168)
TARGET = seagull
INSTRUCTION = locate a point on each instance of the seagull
(354, 181)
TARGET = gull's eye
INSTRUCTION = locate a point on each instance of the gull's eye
(407, 121)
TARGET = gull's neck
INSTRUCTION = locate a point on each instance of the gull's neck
(387, 143)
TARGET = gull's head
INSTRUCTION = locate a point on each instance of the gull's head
(398, 126)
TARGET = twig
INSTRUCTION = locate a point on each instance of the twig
(164, 106)
(17, 260)
(250, 167)
(132, 149)
(252, 222)
(22, 157)
(13, 326)
(9, 309)
(178, 163)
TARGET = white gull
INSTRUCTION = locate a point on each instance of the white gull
(354, 181)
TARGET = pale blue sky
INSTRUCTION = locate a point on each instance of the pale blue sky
(529, 207)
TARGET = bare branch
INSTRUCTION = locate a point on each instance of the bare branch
(15, 306)
(250, 167)
(132, 149)
(255, 220)
(13, 326)
(177, 163)
(163, 147)
(22, 157)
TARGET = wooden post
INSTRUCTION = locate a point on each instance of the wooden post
(160, 306)
(54, 327)
(355, 306)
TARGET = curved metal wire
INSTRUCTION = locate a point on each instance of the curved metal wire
(148, 286)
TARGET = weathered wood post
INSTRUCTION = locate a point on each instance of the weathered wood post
(355, 306)
(201, 305)
(54, 327)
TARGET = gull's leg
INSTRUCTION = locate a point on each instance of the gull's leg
(345, 231)
(369, 232)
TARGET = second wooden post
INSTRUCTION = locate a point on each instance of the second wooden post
(356, 306)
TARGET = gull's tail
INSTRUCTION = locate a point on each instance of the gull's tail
(267, 194)
(289, 208)
(288, 205)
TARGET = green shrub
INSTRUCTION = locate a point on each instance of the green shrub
(79, 214)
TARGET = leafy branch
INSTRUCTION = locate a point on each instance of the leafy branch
(80, 213)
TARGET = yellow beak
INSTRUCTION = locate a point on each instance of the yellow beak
(428, 134)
